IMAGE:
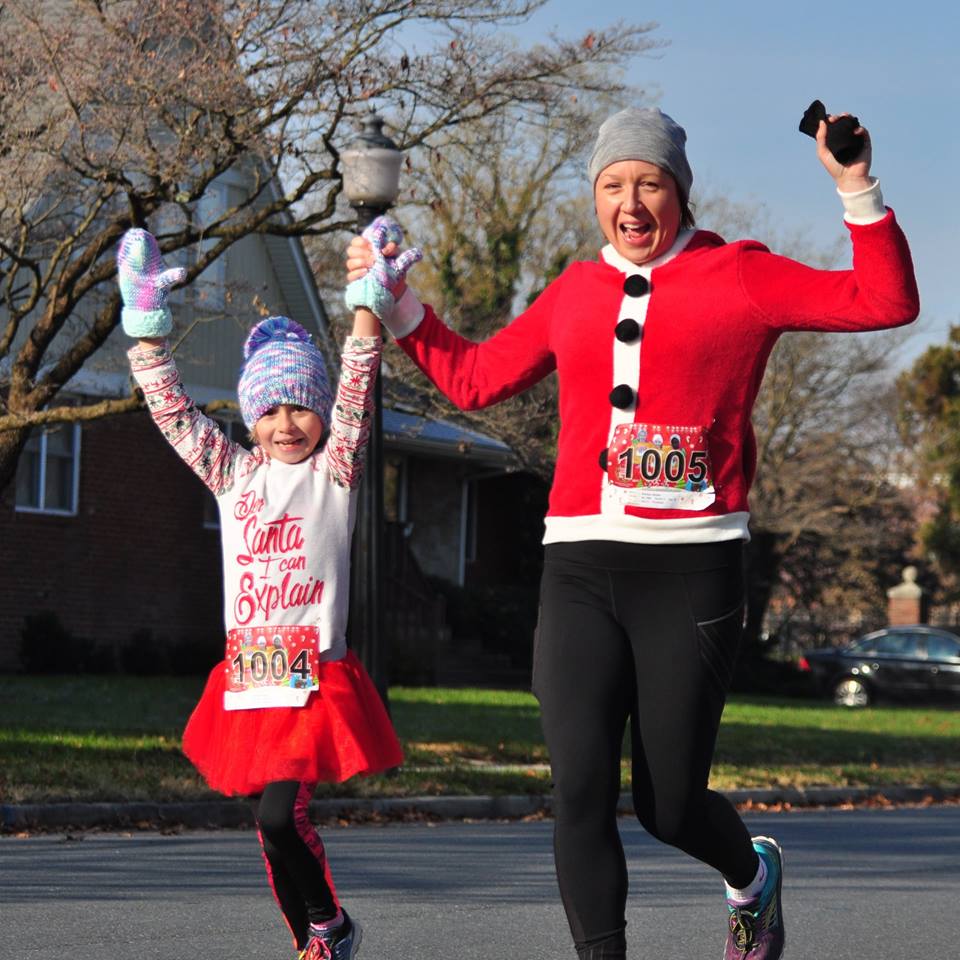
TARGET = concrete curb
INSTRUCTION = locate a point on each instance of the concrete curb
(215, 814)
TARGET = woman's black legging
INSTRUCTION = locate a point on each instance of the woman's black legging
(295, 858)
(649, 634)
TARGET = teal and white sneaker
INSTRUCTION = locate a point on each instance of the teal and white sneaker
(755, 928)
(343, 943)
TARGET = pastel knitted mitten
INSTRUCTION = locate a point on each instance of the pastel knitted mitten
(144, 285)
(375, 290)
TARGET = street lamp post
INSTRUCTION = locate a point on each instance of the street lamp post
(371, 182)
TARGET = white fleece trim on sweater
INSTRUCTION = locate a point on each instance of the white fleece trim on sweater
(863, 207)
(621, 263)
(629, 529)
(627, 357)
(406, 316)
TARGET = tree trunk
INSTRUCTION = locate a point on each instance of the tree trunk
(12, 443)
(763, 566)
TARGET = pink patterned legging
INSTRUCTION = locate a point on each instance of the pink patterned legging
(296, 862)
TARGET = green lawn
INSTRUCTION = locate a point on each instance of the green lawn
(117, 738)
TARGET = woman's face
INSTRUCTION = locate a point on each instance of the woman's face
(638, 208)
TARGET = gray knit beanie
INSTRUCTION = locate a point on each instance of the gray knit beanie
(642, 134)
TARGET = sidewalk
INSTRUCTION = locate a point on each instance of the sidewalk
(215, 814)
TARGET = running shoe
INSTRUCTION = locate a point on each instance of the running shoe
(755, 928)
(340, 944)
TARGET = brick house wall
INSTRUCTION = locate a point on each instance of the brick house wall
(136, 557)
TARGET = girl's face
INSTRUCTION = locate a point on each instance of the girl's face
(638, 209)
(288, 433)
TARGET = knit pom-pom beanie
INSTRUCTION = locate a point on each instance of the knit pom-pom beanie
(281, 365)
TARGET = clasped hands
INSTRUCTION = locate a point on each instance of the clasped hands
(376, 269)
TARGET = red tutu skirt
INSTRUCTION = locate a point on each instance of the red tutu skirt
(341, 731)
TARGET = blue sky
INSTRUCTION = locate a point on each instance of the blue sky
(738, 76)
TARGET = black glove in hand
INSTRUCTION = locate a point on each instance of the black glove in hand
(842, 142)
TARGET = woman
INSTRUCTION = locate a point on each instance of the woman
(660, 348)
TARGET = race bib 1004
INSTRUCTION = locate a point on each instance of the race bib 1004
(661, 467)
(271, 666)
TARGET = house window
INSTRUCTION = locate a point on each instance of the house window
(48, 475)
(236, 431)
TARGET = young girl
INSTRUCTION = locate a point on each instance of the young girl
(290, 705)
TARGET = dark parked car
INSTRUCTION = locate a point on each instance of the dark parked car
(896, 663)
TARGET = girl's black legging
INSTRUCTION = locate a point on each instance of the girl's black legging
(295, 859)
(649, 634)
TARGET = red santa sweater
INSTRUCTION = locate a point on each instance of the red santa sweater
(684, 374)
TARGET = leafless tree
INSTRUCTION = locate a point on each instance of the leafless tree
(120, 113)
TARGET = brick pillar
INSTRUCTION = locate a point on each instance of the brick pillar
(906, 603)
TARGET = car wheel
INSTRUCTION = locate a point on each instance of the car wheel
(851, 692)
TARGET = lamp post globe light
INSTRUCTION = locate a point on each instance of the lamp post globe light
(371, 171)
(371, 182)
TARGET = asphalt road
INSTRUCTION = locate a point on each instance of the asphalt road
(877, 884)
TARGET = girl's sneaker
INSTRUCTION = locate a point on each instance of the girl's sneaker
(755, 928)
(343, 943)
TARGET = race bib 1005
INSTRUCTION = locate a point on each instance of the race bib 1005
(660, 466)
(270, 666)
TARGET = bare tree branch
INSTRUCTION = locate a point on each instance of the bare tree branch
(120, 113)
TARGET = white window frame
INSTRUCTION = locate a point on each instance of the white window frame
(75, 478)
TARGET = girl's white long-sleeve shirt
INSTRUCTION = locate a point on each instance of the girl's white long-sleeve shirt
(286, 528)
